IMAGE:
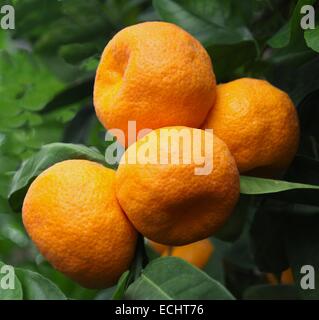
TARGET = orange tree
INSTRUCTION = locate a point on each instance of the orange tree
(47, 69)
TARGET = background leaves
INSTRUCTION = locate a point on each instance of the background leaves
(37, 287)
(29, 285)
(217, 25)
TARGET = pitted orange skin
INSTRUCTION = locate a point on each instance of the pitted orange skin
(259, 124)
(156, 74)
(171, 205)
(72, 215)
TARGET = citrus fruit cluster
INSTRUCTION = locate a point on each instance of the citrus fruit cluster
(85, 218)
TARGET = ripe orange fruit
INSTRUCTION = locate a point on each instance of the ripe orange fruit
(72, 215)
(156, 74)
(197, 253)
(259, 124)
(285, 278)
(169, 203)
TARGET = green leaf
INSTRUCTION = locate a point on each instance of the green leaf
(3, 39)
(252, 185)
(211, 23)
(45, 158)
(312, 39)
(11, 228)
(290, 32)
(241, 253)
(26, 83)
(172, 278)
(305, 71)
(221, 26)
(121, 286)
(215, 266)
(28, 23)
(123, 12)
(271, 292)
(128, 277)
(4, 183)
(281, 38)
(26, 86)
(290, 57)
(139, 262)
(76, 24)
(91, 63)
(74, 93)
(4, 205)
(302, 193)
(75, 53)
(226, 64)
(7, 164)
(2, 138)
(37, 287)
(79, 127)
(10, 294)
(105, 294)
(70, 288)
(294, 60)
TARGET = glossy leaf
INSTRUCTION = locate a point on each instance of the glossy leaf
(7, 293)
(312, 39)
(221, 26)
(289, 32)
(282, 37)
(26, 83)
(74, 93)
(37, 287)
(121, 286)
(207, 21)
(173, 278)
(139, 262)
(252, 185)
